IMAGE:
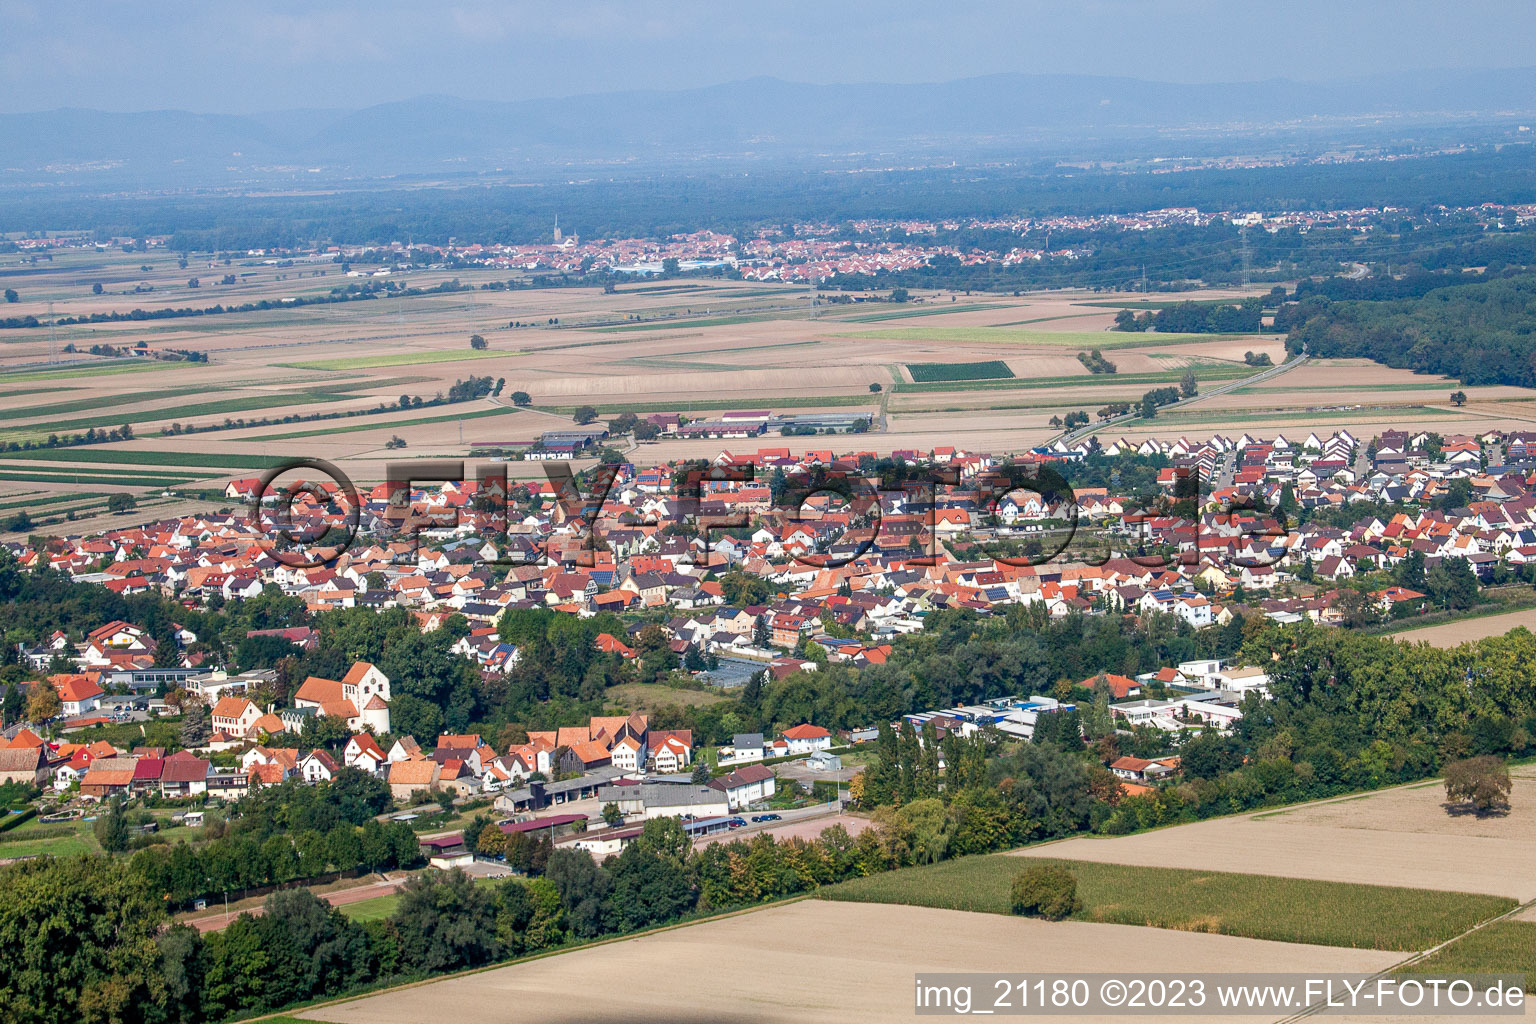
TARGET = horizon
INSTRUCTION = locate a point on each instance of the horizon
(312, 109)
(348, 56)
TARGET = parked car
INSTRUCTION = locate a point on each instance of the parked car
(736, 823)
(766, 817)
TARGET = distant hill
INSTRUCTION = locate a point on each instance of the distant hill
(757, 119)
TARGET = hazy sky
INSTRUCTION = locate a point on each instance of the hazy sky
(255, 55)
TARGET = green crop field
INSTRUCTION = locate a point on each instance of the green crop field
(1203, 372)
(57, 839)
(51, 499)
(1404, 413)
(19, 392)
(396, 359)
(100, 368)
(991, 369)
(713, 321)
(1348, 386)
(1045, 319)
(106, 472)
(1160, 303)
(1504, 947)
(376, 425)
(1255, 906)
(753, 293)
(676, 405)
(182, 413)
(1037, 339)
(137, 457)
(88, 478)
(911, 311)
(97, 402)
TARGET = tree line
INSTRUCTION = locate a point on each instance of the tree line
(86, 937)
(1478, 332)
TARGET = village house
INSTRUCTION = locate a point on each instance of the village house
(407, 778)
(803, 739)
(234, 716)
(746, 786)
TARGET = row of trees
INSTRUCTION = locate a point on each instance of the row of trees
(282, 834)
(1095, 362)
(1245, 317)
(85, 938)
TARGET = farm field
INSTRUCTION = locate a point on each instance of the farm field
(984, 373)
(988, 370)
(1036, 338)
(1224, 903)
(1399, 837)
(395, 359)
(647, 697)
(1501, 947)
(1450, 634)
(796, 962)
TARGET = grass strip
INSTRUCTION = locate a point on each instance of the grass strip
(1397, 413)
(1103, 340)
(132, 457)
(906, 314)
(87, 479)
(714, 321)
(19, 392)
(687, 405)
(51, 499)
(104, 368)
(354, 428)
(180, 413)
(1223, 903)
(1202, 372)
(380, 907)
(396, 359)
(81, 404)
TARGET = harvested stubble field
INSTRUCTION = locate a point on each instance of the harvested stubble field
(1223, 903)
(1401, 837)
(794, 963)
(1452, 634)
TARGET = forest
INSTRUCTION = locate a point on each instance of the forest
(1481, 331)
